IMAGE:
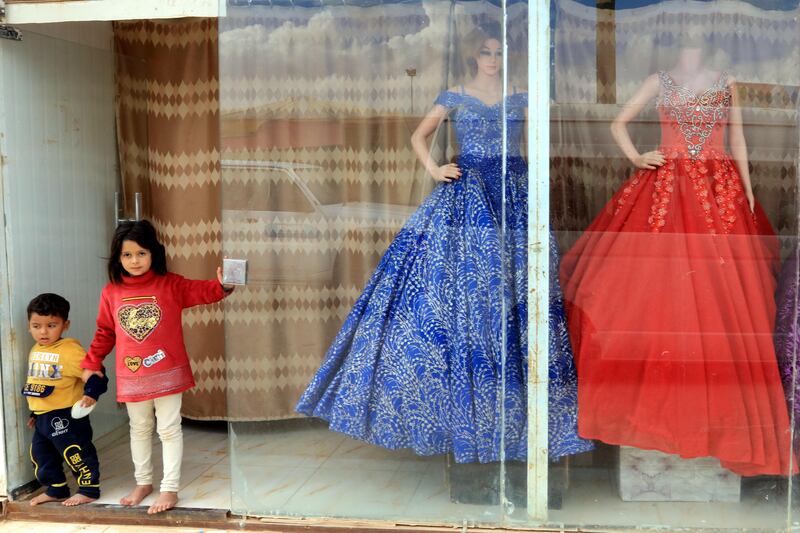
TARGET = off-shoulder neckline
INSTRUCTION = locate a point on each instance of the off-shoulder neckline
(484, 104)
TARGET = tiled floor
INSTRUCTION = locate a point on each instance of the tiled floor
(56, 527)
(299, 468)
(328, 474)
(205, 478)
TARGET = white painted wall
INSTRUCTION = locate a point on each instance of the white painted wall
(80, 10)
(59, 174)
(92, 34)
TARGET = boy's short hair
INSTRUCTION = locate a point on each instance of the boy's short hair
(49, 304)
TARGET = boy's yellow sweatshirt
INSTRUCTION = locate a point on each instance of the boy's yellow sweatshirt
(54, 376)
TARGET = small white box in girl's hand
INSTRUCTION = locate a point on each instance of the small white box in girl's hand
(234, 271)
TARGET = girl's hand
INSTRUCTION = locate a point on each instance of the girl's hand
(226, 288)
(751, 200)
(447, 173)
(649, 160)
(87, 401)
(89, 373)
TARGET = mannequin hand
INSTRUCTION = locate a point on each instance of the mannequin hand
(88, 373)
(87, 401)
(447, 173)
(751, 200)
(649, 160)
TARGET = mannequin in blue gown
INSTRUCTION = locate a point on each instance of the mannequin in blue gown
(421, 361)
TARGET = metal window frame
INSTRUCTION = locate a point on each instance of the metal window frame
(538, 132)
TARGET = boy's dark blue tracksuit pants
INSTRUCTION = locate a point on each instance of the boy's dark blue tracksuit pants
(60, 438)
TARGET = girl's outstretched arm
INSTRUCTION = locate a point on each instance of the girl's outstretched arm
(193, 292)
(104, 340)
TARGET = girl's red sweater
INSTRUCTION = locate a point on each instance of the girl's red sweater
(141, 317)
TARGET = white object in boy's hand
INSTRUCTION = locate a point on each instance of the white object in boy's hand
(79, 411)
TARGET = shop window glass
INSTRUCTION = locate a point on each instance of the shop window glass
(384, 175)
(376, 357)
(674, 151)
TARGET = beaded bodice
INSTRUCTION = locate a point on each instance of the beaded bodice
(693, 123)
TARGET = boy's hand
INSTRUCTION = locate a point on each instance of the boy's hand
(88, 401)
(31, 422)
(88, 373)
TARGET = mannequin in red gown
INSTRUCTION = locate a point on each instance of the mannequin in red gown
(669, 291)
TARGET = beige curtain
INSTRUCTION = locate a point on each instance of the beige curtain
(168, 134)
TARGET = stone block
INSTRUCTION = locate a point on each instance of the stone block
(649, 475)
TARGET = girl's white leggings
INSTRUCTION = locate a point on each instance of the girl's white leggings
(163, 414)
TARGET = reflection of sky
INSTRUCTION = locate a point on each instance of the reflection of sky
(618, 4)
(354, 56)
(356, 3)
(744, 37)
(783, 5)
(360, 42)
(343, 41)
(747, 48)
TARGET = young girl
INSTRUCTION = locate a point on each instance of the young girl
(140, 316)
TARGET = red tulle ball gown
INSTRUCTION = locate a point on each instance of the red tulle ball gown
(670, 303)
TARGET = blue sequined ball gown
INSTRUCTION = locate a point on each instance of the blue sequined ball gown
(419, 362)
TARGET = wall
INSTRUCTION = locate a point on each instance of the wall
(57, 137)
(25, 11)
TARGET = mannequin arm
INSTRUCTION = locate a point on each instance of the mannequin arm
(419, 141)
(738, 143)
(619, 127)
(524, 137)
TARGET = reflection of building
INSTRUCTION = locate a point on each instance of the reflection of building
(359, 156)
(300, 245)
(411, 72)
(309, 122)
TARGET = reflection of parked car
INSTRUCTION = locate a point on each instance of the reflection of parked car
(299, 245)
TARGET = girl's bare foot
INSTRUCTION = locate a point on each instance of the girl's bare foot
(44, 498)
(164, 502)
(77, 499)
(137, 495)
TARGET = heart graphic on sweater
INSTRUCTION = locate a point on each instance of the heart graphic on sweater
(133, 363)
(139, 321)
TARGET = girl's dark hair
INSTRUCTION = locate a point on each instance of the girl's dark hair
(142, 233)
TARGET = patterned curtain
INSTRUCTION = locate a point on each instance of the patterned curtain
(168, 134)
(760, 47)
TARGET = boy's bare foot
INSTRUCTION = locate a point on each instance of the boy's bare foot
(77, 499)
(137, 495)
(164, 502)
(44, 498)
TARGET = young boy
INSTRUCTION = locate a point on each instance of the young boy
(54, 384)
